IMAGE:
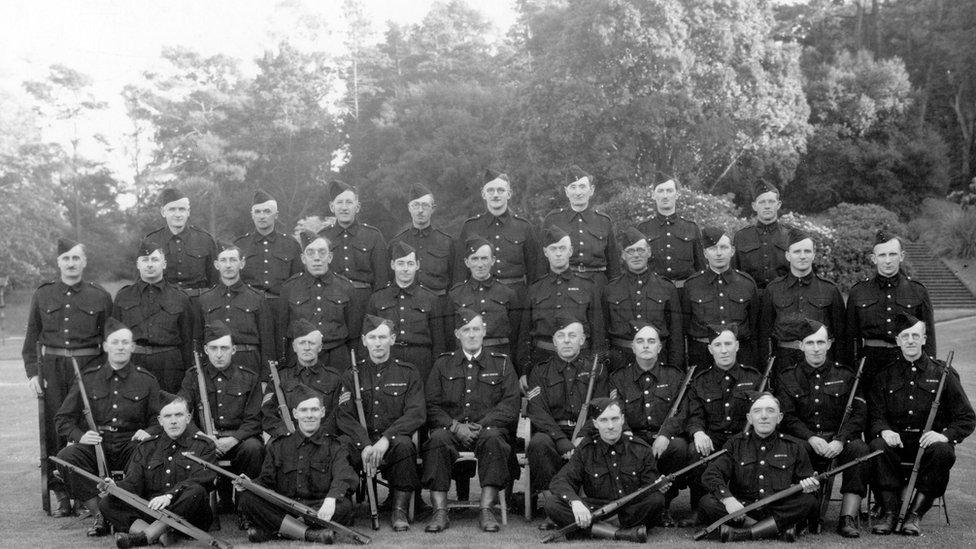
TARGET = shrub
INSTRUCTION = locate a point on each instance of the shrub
(854, 227)
(634, 205)
(949, 228)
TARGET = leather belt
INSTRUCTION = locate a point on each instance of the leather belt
(583, 269)
(621, 342)
(359, 284)
(107, 428)
(543, 344)
(510, 280)
(193, 292)
(152, 349)
(791, 345)
(877, 343)
(566, 423)
(708, 341)
(60, 351)
(492, 341)
(246, 347)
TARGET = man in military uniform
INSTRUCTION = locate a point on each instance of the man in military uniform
(899, 402)
(413, 310)
(760, 249)
(720, 295)
(494, 301)
(607, 467)
(310, 466)
(814, 395)
(718, 401)
(472, 403)
(65, 321)
(639, 296)
(161, 318)
(189, 251)
(647, 387)
(324, 299)
(873, 303)
(394, 408)
(676, 247)
(801, 293)
(562, 291)
(759, 464)
(359, 249)
(179, 487)
(309, 371)
(435, 248)
(243, 309)
(124, 401)
(595, 252)
(234, 396)
(559, 389)
(514, 240)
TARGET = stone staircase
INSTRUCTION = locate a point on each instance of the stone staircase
(945, 288)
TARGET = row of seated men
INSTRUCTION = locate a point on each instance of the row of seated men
(470, 400)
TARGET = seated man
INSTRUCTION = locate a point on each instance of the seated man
(180, 487)
(124, 399)
(558, 392)
(648, 387)
(607, 467)
(310, 466)
(899, 402)
(814, 394)
(759, 464)
(393, 409)
(472, 404)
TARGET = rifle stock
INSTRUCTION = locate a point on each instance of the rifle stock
(374, 514)
(271, 496)
(828, 486)
(762, 384)
(90, 420)
(171, 519)
(581, 418)
(42, 432)
(206, 415)
(283, 410)
(681, 395)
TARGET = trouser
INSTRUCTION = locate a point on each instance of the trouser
(419, 356)
(268, 516)
(117, 454)
(247, 458)
(167, 366)
(279, 312)
(545, 459)
(853, 480)
(399, 465)
(642, 510)
(192, 504)
(491, 448)
(676, 456)
(787, 511)
(58, 376)
(698, 355)
(695, 488)
(933, 473)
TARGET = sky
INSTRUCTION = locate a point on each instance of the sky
(115, 41)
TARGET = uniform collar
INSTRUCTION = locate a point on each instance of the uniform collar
(505, 216)
(767, 228)
(473, 358)
(411, 289)
(233, 288)
(666, 219)
(639, 373)
(888, 281)
(809, 370)
(122, 372)
(270, 237)
(143, 285)
(317, 438)
(486, 283)
(566, 275)
(212, 371)
(805, 280)
(421, 232)
(65, 288)
(711, 276)
(185, 440)
(352, 229)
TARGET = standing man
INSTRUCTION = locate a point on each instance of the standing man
(494, 301)
(595, 252)
(394, 408)
(124, 402)
(759, 464)
(760, 248)
(514, 242)
(189, 251)
(161, 318)
(899, 402)
(65, 320)
(804, 294)
(640, 296)
(814, 395)
(324, 299)
(472, 403)
(412, 309)
(720, 295)
(676, 247)
(874, 302)
(562, 291)
(243, 309)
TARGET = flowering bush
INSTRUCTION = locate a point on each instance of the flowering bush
(854, 227)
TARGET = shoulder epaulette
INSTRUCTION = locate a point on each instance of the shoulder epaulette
(474, 217)
(448, 353)
(243, 236)
(198, 229)
(369, 226)
(637, 440)
(151, 438)
(200, 436)
(399, 234)
(48, 283)
(792, 438)
(601, 214)
(745, 274)
(694, 275)
(498, 355)
(91, 368)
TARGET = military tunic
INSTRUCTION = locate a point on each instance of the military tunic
(900, 399)
(643, 297)
(325, 301)
(417, 323)
(189, 258)
(246, 312)
(496, 303)
(435, 253)
(721, 299)
(515, 244)
(161, 319)
(595, 249)
(269, 260)
(325, 380)
(676, 247)
(760, 252)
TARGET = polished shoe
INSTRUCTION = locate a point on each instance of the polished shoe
(637, 534)
(98, 528)
(910, 528)
(438, 521)
(920, 505)
(137, 539)
(690, 520)
(487, 520)
(885, 524)
(763, 529)
(256, 535)
(847, 527)
(320, 535)
(547, 525)
(64, 508)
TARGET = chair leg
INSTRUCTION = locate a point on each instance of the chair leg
(945, 510)
(215, 525)
(503, 502)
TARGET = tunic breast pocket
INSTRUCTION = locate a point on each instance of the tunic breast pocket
(155, 473)
(492, 386)
(133, 403)
(320, 474)
(360, 253)
(780, 470)
(703, 304)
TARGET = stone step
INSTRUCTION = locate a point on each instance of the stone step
(944, 287)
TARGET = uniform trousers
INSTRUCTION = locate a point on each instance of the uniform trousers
(399, 465)
(674, 457)
(853, 480)
(247, 458)
(786, 512)
(491, 448)
(933, 473)
(268, 516)
(643, 510)
(544, 458)
(695, 488)
(192, 504)
(118, 450)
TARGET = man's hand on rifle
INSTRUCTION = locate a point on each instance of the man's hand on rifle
(931, 437)
(327, 509)
(660, 445)
(35, 385)
(90, 438)
(239, 482)
(703, 443)
(665, 486)
(160, 502)
(225, 444)
(891, 438)
(732, 504)
(104, 485)
(582, 514)
(373, 456)
(141, 435)
(810, 484)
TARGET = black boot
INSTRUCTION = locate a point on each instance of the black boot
(438, 521)
(920, 505)
(886, 524)
(847, 524)
(320, 535)
(98, 528)
(763, 529)
(137, 539)
(401, 505)
(64, 508)
(637, 534)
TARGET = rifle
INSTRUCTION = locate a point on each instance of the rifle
(677, 401)
(782, 494)
(612, 507)
(306, 512)
(910, 492)
(828, 486)
(280, 397)
(374, 514)
(164, 515)
(207, 416)
(90, 419)
(42, 430)
(581, 418)
(762, 384)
